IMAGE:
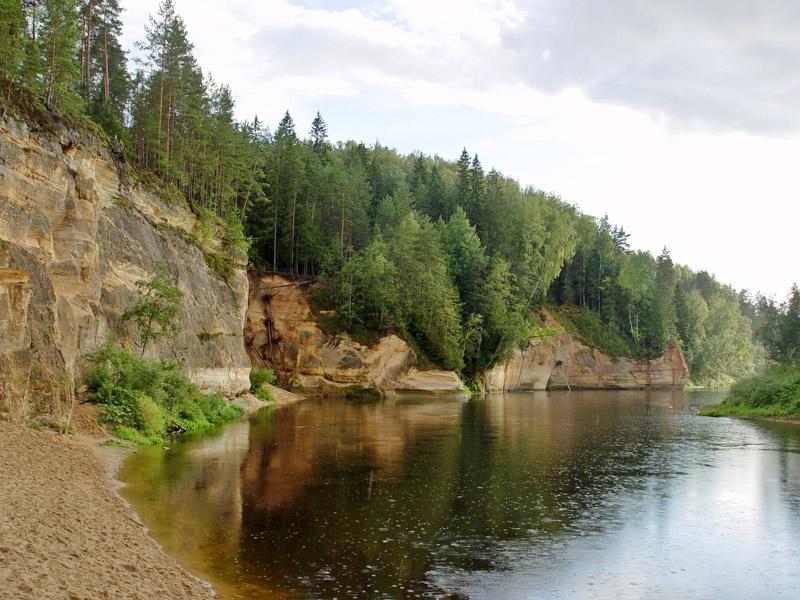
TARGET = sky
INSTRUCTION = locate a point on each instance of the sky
(680, 120)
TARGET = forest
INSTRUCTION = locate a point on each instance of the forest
(452, 256)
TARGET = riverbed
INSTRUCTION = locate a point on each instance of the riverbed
(525, 495)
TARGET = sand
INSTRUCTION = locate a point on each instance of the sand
(66, 534)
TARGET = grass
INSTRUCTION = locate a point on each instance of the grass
(587, 327)
(774, 393)
(144, 402)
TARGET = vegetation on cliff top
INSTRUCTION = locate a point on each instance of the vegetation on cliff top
(442, 252)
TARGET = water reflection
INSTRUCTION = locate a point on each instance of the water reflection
(545, 495)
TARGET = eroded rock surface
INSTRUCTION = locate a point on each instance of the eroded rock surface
(75, 236)
(312, 361)
(559, 361)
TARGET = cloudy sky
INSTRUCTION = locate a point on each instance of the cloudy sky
(679, 119)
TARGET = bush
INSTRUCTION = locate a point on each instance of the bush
(774, 393)
(261, 376)
(144, 401)
(258, 377)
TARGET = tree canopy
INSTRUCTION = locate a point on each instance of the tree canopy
(445, 253)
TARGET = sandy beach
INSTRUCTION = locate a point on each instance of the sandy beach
(66, 534)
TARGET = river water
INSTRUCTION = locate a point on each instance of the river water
(518, 496)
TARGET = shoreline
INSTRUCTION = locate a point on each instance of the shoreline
(700, 411)
(66, 531)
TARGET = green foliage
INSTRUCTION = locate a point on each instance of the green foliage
(587, 327)
(778, 326)
(442, 252)
(236, 242)
(12, 39)
(430, 302)
(154, 308)
(144, 401)
(58, 39)
(259, 377)
(724, 352)
(774, 393)
(505, 323)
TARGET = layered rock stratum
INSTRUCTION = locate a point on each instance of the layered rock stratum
(557, 360)
(76, 234)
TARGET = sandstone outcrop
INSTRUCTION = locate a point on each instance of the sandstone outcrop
(309, 360)
(75, 236)
(559, 361)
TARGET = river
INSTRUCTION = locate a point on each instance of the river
(518, 496)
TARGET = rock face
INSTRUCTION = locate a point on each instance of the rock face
(314, 362)
(559, 361)
(75, 237)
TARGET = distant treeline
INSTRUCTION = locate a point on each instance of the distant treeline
(442, 252)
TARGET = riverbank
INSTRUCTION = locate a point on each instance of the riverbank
(66, 533)
(774, 395)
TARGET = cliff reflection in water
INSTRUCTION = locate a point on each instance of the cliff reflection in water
(434, 498)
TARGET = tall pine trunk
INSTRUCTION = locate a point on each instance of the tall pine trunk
(106, 84)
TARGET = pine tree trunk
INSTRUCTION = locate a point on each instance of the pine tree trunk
(88, 49)
(291, 244)
(106, 75)
(341, 234)
(160, 105)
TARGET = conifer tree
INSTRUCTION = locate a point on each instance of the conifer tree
(662, 318)
(12, 39)
(59, 37)
(463, 188)
(474, 205)
(319, 135)
(790, 327)
(438, 198)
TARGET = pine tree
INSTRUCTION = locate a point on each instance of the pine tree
(59, 42)
(438, 198)
(285, 182)
(105, 82)
(319, 136)
(661, 326)
(474, 205)
(285, 130)
(32, 65)
(790, 327)
(109, 81)
(12, 39)
(463, 186)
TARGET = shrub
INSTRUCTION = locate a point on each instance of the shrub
(143, 401)
(153, 420)
(258, 377)
(261, 376)
(155, 307)
(774, 393)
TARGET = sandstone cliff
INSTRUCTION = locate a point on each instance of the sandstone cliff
(75, 236)
(559, 361)
(312, 361)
